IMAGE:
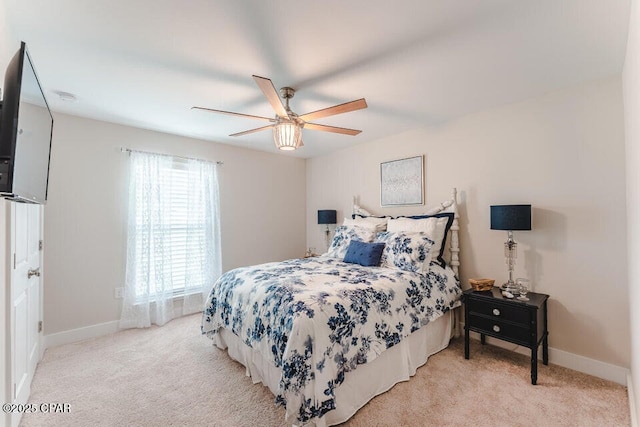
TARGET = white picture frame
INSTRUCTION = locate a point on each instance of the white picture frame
(402, 182)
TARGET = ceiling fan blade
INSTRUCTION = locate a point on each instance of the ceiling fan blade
(334, 129)
(266, 86)
(231, 113)
(358, 104)
(246, 132)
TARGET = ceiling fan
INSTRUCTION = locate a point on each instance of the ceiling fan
(287, 125)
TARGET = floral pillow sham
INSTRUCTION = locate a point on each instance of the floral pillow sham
(344, 235)
(436, 226)
(406, 251)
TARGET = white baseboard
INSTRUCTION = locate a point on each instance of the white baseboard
(632, 401)
(568, 360)
(75, 335)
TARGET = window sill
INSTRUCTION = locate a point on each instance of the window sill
(176, 296)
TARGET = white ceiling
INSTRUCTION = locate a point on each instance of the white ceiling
(144, 63)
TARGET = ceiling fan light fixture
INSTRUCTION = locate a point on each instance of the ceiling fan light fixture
(287, 135)
(287, 126)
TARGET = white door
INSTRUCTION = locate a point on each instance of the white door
(25, 299)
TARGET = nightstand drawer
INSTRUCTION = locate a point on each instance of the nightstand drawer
(499, 329)
(500, 311)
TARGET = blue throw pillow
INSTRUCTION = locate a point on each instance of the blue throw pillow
(365, 254)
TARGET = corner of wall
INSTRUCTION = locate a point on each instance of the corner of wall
(632, 401)
(631, 97)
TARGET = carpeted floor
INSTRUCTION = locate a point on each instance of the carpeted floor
(173, 376)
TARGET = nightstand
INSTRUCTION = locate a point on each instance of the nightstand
(519, 322)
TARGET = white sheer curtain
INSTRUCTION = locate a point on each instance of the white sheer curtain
(173, 238)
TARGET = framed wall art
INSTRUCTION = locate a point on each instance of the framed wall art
(402, 182)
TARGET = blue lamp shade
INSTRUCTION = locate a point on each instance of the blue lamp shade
(511, 217)
(326, 216)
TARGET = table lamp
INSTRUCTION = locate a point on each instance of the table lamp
(327, 216)
(510, 218)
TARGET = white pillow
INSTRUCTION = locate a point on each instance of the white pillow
(370, 222)
(435, 228)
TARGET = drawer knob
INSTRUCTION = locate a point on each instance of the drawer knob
(496, 328)
(496, 312)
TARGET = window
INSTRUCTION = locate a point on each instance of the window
(177, 230)
(172, 235)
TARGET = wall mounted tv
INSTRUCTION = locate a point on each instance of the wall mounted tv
(26, 127)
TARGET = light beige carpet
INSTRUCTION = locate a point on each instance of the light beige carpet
(173, 376)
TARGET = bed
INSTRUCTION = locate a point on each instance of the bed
(327, 334)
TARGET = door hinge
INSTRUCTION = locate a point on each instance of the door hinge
(40, 245)
(14, 260)
(40, 326)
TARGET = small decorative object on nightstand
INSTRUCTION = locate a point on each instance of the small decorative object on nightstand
(523, 288)
(520, 322)
(311, 252)
(481, 284)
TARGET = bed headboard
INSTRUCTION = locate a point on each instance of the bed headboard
(450, 205)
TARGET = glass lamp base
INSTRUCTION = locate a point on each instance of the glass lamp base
(510, 287)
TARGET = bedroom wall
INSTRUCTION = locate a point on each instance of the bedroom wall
(7, 41)
(631, 91)
(85, 216)
(563, 153)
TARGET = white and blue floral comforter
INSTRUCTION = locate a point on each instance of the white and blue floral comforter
(318, 318)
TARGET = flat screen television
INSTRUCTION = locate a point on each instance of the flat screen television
(26, 128)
